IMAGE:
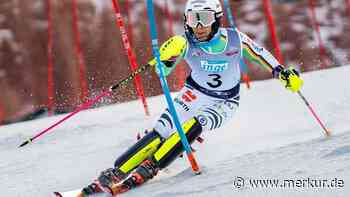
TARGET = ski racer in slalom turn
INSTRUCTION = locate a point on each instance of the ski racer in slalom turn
(209, 98)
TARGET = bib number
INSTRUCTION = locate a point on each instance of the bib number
(216, 82)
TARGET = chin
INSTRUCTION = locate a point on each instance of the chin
(202, 39)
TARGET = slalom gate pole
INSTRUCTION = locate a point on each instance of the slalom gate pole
(89, 103)
(129, 25)
(50, 80)
(231, 20)
(327, 132)
(348, 3)
(130, 54)
(316, 27)
(273, 32)
(2, 113)
(184, 141)
(79, 54)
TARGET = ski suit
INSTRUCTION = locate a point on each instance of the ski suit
(211, 91)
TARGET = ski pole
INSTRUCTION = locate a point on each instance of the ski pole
(89, 103)
(184, 141)
(327, 132)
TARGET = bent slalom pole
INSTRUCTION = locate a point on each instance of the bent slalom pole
(131, 55)
(184, 141)
(243, 65)
(327, 132)
(89, 103)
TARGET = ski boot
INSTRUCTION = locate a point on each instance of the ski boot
(104, 182)
(146, 171)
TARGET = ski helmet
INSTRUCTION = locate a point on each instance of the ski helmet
(203, 12)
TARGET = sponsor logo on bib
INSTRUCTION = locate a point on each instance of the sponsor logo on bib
(214, 65)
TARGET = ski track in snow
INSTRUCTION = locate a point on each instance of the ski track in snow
(273, 135)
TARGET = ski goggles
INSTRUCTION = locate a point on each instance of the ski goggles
(205, 18)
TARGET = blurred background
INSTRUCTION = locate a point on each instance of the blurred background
(41, 42)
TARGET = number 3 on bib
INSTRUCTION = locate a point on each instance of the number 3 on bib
(216, 82)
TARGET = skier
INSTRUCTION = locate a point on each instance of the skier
(208, 100)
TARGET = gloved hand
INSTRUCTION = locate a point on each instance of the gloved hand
(289, 77)
(168, 67)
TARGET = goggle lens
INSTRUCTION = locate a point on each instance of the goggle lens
(205, 18)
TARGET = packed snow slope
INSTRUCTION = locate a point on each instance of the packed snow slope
(273, 136)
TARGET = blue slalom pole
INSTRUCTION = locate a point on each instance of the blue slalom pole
(229, 14)
(231, 20)
(166, 90)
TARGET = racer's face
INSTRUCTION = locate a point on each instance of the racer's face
(201, 33)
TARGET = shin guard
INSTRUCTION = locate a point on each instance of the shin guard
(172, 147)
(140, 151)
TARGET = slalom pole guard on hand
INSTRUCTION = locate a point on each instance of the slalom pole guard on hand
(289, 77)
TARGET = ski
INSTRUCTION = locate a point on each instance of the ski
(73, 193)
(117, 189)
(78, 193)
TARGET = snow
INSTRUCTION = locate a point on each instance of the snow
(273, 136)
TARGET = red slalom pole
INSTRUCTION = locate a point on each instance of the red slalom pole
(79, 54)
(129, 24)
(2, 114)
(50, 80)
(272, 27)
(348, 2)
(327, 132)
(316, 27)
(130, 54)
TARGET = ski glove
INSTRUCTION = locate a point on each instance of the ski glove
(170, 54)
(289, 77)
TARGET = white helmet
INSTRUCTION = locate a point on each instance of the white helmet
(204, 12)
(199, 5)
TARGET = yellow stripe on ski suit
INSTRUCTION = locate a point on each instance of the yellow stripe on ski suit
(173, 140)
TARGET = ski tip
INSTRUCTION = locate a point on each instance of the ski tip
(57, 194)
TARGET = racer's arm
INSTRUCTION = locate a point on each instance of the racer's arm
(255, 53)
(171, 53)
